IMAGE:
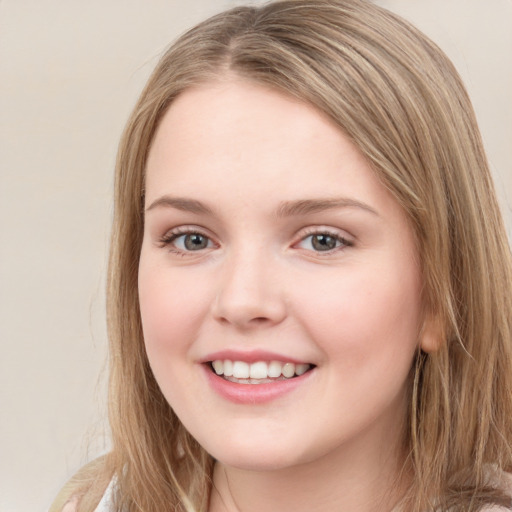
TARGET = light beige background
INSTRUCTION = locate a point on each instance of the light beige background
(70, 70)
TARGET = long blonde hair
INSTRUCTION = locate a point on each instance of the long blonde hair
(399, 99)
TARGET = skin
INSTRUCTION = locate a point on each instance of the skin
(355, 312)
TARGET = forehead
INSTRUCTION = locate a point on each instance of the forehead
(225, 132)
(226, 111)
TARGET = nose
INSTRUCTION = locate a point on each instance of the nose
(250, 293)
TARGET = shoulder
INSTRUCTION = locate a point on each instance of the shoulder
(71, 505)
(67, 500)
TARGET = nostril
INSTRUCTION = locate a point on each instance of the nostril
(259, 320)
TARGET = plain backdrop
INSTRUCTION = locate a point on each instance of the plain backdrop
(70, 71)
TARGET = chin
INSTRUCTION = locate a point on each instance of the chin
(259, 457)
(257, 462)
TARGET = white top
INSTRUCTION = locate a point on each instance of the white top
(106, 501)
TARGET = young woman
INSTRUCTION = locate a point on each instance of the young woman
(309, 295)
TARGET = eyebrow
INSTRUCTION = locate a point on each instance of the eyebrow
(181, 203)
(285, 209)
(305, 206)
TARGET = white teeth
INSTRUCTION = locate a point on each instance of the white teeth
(288, 370)
(258, 371)
(218, 366)
(274, 369)
(240, 370)
(228, 368)
(299, 368)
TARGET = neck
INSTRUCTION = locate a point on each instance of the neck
(344, 480)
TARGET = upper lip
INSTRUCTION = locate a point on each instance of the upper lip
(250, 356)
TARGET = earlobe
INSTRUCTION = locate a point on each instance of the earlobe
(431, 335)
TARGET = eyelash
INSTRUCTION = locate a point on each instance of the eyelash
(170, 238)
(343, 242)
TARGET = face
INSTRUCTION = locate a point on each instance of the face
(279, 281)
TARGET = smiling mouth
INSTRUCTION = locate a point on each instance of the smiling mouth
(260, 372)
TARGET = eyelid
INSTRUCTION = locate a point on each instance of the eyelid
(167, 239)
(346, 239)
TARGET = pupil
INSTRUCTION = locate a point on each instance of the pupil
(324, 242)
(195, 242)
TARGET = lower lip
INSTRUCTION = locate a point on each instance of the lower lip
(253, 393)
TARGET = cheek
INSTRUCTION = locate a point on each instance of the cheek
(171, 308)
(360, 314)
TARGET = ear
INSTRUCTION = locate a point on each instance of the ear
(431, 335)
